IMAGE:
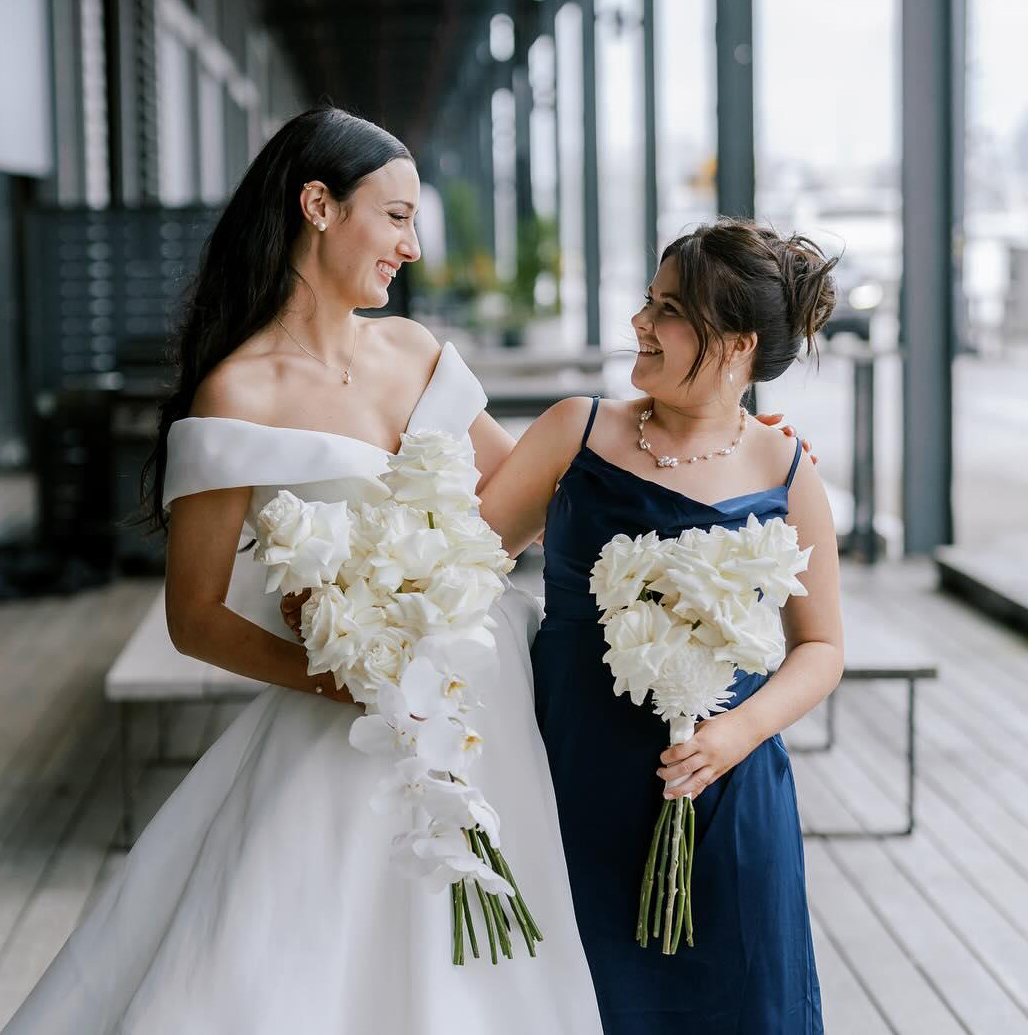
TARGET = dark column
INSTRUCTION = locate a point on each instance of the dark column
(931, 60)
(650, 147)
(590, 191)
(736, 125)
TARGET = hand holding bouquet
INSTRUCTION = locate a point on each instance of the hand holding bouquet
(681, 616)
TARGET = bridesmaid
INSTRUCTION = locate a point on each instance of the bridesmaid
(730, 306)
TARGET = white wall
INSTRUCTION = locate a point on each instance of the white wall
(25, 128)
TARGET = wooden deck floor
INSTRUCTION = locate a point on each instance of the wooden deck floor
(914, 936)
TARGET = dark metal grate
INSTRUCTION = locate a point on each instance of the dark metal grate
(102, 282)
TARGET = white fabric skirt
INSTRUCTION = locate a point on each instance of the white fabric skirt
(260, 898)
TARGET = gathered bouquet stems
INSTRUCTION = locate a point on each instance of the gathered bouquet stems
(665, 890)
(494, 915)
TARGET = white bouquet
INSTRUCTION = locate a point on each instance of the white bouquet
(398, 613)
(681, 616)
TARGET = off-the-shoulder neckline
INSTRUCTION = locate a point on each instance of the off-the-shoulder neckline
(439, 365)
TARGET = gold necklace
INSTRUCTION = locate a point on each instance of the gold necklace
(346, 374)
(672, 461)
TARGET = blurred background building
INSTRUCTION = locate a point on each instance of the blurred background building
(561, 145)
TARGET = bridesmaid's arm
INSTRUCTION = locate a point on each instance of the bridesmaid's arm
(811, 670)
(492, 445)
(515, 499)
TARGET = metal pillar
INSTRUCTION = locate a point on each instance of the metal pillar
(590, 188)
(736, 120)
(931, 60)
(650, 147)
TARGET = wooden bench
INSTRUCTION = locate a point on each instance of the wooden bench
(151, 671)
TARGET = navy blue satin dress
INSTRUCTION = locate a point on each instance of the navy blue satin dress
(752, 969)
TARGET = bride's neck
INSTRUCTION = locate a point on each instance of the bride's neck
(325, 325)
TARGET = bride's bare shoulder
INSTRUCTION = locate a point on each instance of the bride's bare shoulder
(241, 386)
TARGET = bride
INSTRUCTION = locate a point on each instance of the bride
(260, 899)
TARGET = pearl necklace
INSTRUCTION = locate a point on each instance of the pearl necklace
(672, 461)
(346, 374)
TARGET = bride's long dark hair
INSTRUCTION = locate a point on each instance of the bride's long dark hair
(245, 276)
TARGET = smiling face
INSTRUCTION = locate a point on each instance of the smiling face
(368, 239)
(668, 345)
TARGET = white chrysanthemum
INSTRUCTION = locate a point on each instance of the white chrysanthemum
(433, 471)
(693, 684)
(624, 568)
(302, 544)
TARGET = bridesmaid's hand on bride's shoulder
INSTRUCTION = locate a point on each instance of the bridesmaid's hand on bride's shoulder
(717, 745)
(772, 419)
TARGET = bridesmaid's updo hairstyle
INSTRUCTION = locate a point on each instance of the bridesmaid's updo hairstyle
(738, 277)
(245, 276)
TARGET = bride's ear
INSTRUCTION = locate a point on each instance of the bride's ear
(316, 201)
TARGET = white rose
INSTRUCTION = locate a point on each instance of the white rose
(753, 632)
(336, 625)
(692, 583)
(473, 544)
(394, 545)
(768, 554)
(464, 595)
(641, 638)
(382, 660)
(624, 568)
(693, 683)
(303, 544)
(433, 471)
(415, 613)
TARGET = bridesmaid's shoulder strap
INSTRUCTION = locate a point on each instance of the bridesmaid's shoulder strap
(794, 465)
(589, 423)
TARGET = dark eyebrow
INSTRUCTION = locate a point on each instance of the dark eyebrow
(399, 201)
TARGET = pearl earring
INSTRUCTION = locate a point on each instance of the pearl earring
(321, 226)
(729, 374)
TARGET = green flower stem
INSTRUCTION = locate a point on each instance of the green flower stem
(499, 864)
(680, 891)
(673, 875)
(647, 887)
(666, 811)
(470, 920)
(431, 519)
(502, 923)
(490, 923)
(458, 927)
(691, 819)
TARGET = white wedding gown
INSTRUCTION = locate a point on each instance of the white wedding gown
(260, 899)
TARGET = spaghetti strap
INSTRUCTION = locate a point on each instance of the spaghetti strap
(589, 423)
(794, 465)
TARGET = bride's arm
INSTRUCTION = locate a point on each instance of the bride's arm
(515, 498)
(204, 531)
